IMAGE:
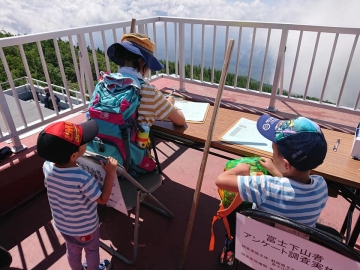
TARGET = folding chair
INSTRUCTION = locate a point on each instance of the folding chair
(134, 192)
(314, 235)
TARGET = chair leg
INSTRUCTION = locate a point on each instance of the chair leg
(161, 209)
(113, 252)
(236, 264)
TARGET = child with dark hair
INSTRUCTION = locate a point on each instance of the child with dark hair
(290, 191)
(135, 56)
(73, 193)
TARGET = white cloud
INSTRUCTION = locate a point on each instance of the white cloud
(34, 16)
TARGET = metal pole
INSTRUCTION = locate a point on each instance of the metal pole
(206, 152)
(86, 64)
(133, 23)
(275, 85)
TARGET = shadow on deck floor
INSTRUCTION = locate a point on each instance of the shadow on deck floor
(34, 243)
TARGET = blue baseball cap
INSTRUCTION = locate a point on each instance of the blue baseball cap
(300, 140)
(138, 44)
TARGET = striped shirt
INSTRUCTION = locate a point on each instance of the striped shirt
(153, 104)
(285, 197)
(72, 195)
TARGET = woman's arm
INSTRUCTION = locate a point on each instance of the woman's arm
(176, 116)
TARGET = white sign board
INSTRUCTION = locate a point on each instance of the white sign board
(116, 199)
(264, 247)
(245, 132)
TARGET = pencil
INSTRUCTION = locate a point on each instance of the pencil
(336, 145)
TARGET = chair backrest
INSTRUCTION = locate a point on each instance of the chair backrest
(264, 247)
(147, 183)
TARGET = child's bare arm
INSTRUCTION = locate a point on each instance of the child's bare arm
(110, 169)
(228, 179)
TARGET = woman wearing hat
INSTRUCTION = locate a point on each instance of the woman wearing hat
(135, 56)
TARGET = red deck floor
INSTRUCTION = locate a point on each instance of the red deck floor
(34, 243)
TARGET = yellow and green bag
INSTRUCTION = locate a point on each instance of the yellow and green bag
(230, 201)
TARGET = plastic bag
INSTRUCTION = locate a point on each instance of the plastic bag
(255, 170)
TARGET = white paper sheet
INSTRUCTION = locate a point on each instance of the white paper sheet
(263, 247)
(245, 132)
(116, 199)
(193, 111)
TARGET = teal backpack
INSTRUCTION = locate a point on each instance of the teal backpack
(114, 106)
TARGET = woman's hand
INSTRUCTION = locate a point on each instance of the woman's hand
(171, 99)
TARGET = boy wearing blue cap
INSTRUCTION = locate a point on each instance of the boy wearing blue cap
(290, 191)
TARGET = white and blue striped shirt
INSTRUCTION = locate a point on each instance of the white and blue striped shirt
(72, 195)
(285, 197)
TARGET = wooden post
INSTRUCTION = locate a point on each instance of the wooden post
(206, 152)
(133, 23)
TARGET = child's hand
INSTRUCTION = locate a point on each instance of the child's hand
(268, 164)
(110, 166)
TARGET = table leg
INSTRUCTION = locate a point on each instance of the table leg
(355, 233)
(345, 224)
(346, 227)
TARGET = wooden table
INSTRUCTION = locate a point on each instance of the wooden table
(338, 168)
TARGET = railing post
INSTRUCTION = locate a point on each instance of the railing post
(82, 79)
(86, 64)
(279, 64)
(141, 29)
(281, 88)
(5, 111)
(182, 57)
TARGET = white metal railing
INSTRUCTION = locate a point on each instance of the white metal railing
(303, 60)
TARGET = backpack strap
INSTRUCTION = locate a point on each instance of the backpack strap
(137, 84)
(222, 213)
(124, 136)
(114, 81)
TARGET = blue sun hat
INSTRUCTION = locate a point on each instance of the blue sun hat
(138, 44)
(300, 140)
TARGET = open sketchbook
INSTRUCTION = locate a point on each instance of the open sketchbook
(116, 199)
(245, 132)
(194, 112)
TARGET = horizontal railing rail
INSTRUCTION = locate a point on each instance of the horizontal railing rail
(307, 64)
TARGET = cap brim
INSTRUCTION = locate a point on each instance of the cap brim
(266, 125)
(90, 130)
(149, 59)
